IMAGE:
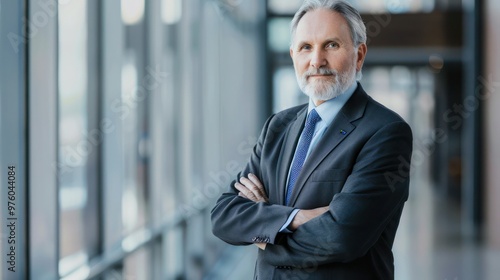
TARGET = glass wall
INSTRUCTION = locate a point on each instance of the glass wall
(13, 142)
(157, 80)
(135, 135)
(74, 147)
(134, 125)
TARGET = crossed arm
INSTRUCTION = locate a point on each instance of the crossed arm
(368, 206)
(248, 219)
(251, 188)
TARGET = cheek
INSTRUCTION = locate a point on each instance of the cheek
(301, 65)
(344, 63)
(296, 67)
(303, 62)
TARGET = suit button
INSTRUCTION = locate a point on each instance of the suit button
(259, 239)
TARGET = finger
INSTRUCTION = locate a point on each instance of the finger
(251, 186)
(242, 195)
(259, 185)
(245, 181)
(256, 181)
(243, 189)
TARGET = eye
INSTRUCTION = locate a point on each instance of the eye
(332, 45)
(305, 47)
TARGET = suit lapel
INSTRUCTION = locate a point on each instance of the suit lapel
(339, 129)
(288, 150)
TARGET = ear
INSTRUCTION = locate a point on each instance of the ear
(362, 49)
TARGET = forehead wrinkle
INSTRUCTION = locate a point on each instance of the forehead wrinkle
(318, 24)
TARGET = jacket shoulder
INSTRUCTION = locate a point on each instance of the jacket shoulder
(289, 114)
(293, 110)
(382, 113)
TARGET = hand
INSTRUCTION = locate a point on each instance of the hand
(304, 216)
(261, 246)
(251, 188)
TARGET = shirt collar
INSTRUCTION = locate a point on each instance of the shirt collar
(330, 108)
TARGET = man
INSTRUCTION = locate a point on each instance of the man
(323, 191)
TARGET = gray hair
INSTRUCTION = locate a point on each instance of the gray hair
(350, 14)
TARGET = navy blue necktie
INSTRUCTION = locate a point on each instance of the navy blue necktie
(301, 152)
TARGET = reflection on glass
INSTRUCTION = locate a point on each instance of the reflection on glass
(74, 146)
(171, 11)
(132, 11)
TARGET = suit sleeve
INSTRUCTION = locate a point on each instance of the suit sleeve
(240, 221)
(372, 196)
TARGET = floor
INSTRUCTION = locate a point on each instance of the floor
(429, 243)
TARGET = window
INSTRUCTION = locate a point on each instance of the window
(74, 147)
(135, 137)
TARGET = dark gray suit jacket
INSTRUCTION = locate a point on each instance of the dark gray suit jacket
(360, 168)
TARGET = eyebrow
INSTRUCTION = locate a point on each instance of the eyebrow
(334, 39)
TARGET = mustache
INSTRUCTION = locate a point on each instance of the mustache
(320, 71)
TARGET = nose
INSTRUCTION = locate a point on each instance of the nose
(318, 58)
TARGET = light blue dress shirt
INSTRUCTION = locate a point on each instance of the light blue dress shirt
(328, 110)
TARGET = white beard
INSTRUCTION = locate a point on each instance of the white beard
(326, 89)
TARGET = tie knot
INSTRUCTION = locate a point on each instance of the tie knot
(313, 118)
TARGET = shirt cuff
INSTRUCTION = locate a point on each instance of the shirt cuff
(284, 228)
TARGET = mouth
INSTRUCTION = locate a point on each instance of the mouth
(320, 76)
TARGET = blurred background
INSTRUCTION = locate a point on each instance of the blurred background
(125, 120)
